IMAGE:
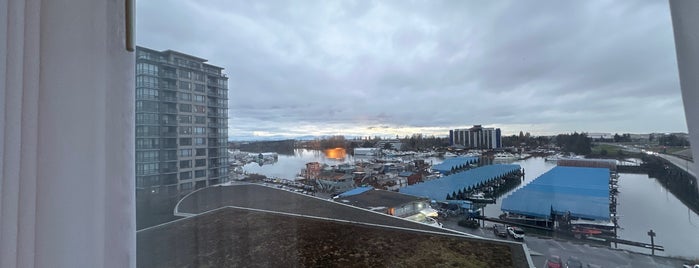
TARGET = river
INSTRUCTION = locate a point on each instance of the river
(643, 203)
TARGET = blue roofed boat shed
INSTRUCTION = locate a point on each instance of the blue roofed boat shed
(446, 166)
(439, 188)
(582, 191)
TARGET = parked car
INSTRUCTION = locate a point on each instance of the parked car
(500, 230)
(516, 232)
(553, 262)
(573, 262)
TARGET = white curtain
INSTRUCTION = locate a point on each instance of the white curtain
(66, 135)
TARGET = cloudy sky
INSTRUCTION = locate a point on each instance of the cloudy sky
(398, 67)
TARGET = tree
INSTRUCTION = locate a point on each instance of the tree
(603, 152)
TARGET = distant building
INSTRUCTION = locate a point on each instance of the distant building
(477, 137)
(600, 136)
(181, 122)
(395, 144)
(365, 151)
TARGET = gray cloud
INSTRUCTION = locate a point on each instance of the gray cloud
(384, 68)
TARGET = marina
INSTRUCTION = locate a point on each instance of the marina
(642, 202)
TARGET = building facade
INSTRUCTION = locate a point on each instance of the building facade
(181, 122)
(476, 137)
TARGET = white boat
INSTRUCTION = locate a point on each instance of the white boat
(505, 156)
(449, 154)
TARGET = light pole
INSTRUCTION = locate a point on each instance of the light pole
(652, 242)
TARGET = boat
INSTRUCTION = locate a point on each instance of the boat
(449, 154)
(505, 156)
(480, 198)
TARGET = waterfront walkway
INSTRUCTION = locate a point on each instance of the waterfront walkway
(681, 163)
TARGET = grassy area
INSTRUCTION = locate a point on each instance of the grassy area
(608, 150)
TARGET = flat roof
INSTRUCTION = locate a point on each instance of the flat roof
(255, 225)
(378, 198)
(454, 162)
(439, 188)
(238, 237)
(582, 191)
(268, 198)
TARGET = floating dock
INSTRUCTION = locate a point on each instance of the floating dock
(438, 189)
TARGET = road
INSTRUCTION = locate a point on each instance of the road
(681, 163)
(542, 247)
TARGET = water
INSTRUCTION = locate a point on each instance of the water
(643, 203)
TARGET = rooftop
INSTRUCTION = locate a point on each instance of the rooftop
(254, 225)
(378, 198)
(439, 188)
(454, 162)
(582, 191)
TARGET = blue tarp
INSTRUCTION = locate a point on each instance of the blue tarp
(582, 191)
(445, 167)
(355, 191)
(439, 188)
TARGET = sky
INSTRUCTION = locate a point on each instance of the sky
(386, 68)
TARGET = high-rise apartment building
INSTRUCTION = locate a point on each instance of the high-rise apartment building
(181, 122)
(477, 137)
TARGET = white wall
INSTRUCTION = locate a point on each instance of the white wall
(67, 144)
(685, 22)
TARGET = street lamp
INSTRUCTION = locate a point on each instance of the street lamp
(652, 243)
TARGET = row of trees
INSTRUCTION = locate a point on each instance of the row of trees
(577, 143)
(525, 139)
(673, 140)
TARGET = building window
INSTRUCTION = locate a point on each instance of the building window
(199, 98)
(186, 130)
(185, 85)
(147, 156)
(185, 175)
(143, 119)
(146, 81)
(200, 173)
(146, 106)
(184, 96)
(146, 68)
(186, 164)
(184, 119)
(201, 152)
(147, 143)
(200, 162)
(199, 130)
(186, 186)
(185, 74)
(185, 108)
(199, 109)
(185, 141)
(143, 93)
(199, 87)
(185, 152)
(199, 141)
(200, 120)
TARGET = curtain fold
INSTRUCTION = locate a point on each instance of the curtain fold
(66, 145)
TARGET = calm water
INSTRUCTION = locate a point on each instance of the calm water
(643, 203)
